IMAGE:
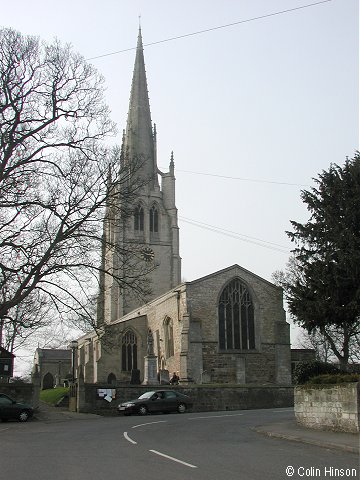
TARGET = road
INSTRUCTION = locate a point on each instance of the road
(199, 446)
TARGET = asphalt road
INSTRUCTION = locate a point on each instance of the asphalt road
(206, 446)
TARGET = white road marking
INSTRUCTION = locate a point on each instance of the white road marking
(149, 423)
(129, 439)
(173, 459)
(216, 416)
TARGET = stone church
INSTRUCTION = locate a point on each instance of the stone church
(227, 327)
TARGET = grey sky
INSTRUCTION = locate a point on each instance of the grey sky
(274, 99)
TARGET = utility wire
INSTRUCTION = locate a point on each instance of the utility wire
(215, 28)
(237, 236)
(255, 180)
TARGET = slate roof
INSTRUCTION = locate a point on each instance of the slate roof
(54, 354)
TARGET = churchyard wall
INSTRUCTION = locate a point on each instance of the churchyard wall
(205, 398)
(329, 407)
(25, 392)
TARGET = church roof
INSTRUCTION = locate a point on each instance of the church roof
(54, 353)
(232, 267)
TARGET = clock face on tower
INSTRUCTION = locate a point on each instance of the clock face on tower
(147, 254)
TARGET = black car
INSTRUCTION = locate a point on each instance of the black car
(157, 401)
(9, 408)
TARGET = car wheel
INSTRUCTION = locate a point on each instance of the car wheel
(143, 410)
(23, 416)
(181, 408)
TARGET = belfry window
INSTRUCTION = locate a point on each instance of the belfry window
(129, 351)
(236, 318)
(139, 218)
(154, 220)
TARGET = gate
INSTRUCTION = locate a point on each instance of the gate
(73, 392)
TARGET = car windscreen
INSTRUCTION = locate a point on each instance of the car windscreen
(146, 395)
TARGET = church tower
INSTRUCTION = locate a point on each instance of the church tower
(153, 223)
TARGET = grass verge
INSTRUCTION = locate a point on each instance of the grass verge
(53, 395)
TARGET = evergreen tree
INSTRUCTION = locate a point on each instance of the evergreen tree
(323, 292)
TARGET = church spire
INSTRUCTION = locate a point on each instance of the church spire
(139, 142)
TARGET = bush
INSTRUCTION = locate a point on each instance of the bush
(306, 370)
(335, 378)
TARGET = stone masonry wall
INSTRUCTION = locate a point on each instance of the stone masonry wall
(26, 393)
(205, 398)
(330, 407)
(262, 365)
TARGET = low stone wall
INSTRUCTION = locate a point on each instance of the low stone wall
(328, 407)
(27, 392)
(205, 398)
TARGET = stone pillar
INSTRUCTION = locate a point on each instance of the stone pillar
(80, 398)
(150, 370)
(185, 376)
(283, 364)
(282, 354)
(35, 378)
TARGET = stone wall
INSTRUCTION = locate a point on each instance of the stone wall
(328, 407)
(26, 393)
(269, 362)
(205, 398)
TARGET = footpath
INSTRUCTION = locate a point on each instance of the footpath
(50, 414)
(290, 430)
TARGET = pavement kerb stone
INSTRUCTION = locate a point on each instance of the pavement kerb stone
(310, 437)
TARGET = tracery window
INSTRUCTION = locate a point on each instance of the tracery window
(236, 318)
(169, 337)
(154, 219)
(129, 351)
(139, 218)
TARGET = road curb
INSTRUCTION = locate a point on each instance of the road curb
(285, 436)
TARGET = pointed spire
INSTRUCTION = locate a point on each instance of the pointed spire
(172, 164)
(139, 140)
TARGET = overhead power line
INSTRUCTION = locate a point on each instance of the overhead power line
(237, 236)
(200, 32)
(255, 180)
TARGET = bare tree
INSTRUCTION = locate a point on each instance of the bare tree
(57, 181)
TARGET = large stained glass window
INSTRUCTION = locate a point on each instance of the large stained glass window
(236, 318)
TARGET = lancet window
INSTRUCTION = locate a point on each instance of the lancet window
(236, 318)
(129, 351)
(154, 219)
(139, 218)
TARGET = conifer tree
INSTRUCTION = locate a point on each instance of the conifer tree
(323, 287)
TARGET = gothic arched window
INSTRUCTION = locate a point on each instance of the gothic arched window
(154, 219)
(169, 337)
(129, 351)
(236, 318)
(139, 218)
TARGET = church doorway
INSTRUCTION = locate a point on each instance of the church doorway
(48, 381)
(111, 380)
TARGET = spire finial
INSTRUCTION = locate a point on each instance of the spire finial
(172, 164)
